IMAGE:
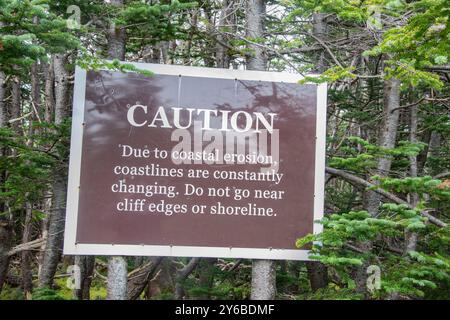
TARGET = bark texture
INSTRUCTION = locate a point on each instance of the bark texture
(117, 266)
(55, 238)
(117, 279)
(263, 280)
(5, 223)
(263, 271)
(139, 278)
(318, 272)
(182, 275)
(388, 134)
(255, 13)
(27, 277)
(116, 37)
(86, 265)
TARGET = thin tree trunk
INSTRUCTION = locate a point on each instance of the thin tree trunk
(35, 93)
(27, 276)
(388, 134)
(117, 279)
(49, 108)
(3, 111)
(5, 245)
(49, 92)
(263, 280)
(317, 275)
(86, 265)
(317, 271)
(5, 221)
(152, 53)
(117, 266)
(226, 18)
(116, 37)
(54, 243)
(47, 205)
(255, 14)
(15, 103)
(319, 31)
(411, 237)
(206, 277)
(433, 146)
(263, 271)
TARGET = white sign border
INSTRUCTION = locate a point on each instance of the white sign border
(73, 248)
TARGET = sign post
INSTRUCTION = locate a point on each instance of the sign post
(195, 162)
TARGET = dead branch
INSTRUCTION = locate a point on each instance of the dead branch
(27, 246)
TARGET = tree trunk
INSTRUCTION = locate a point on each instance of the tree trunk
(255, 14)
(140, 277)
(317, 275)
(86, 265)
(319, 31)
(49, 92)
(117, 279)
(388, 134)
(263, 271)
(3, 111)
(35, 93)
(163, 281)
(226, 18)
(411, 237)
(182, 275)
(27, 276)
(317, 271)
(117, 266)
(433, 147)
(206, 277)
(5, 245)
(15, 103)
(263, 280)
(116, 37)
(5, 222)
(54, 243)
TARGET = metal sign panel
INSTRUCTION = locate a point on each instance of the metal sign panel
(194, 162)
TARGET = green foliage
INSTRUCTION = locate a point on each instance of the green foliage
(31, 166)
(366, 157)
(419, 44)
(356, 239)
(227, 285)
(333, 293)
(331, 75)
(421, 185)
(10, 293)
(91, 62)
(153, 23)
(366, 42)
(23, 40)
(45, 293)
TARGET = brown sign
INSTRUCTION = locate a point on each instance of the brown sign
(194, 162)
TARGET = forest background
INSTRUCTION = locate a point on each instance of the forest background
(387, 66)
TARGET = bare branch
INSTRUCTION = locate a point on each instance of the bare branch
(26, 246)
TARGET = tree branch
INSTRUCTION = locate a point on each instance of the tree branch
(182, 274)
(26, 246)
(355, 179)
